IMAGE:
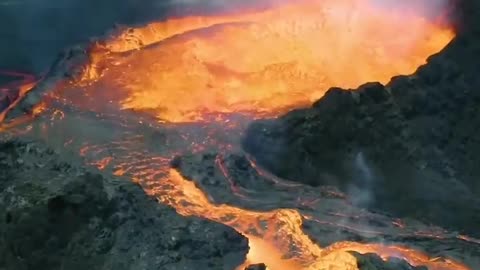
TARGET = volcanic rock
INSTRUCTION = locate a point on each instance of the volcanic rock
(374, 262)
(6, 98)
(54, 215)
(220, 171)
(230, 178)
(260, 266)
(4, 101)
(409, 148)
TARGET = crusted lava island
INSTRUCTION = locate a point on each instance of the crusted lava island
(242, 135)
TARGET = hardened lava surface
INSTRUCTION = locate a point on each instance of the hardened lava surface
(57, 214)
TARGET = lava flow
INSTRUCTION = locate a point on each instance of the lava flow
(276, 235)
(12, 92)
(261, 62)
(252, 62)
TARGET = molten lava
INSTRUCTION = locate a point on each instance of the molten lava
(262, 62)
(12, 92)
(276, 238)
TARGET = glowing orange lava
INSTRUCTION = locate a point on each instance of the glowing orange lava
(23, 84)
(262, 62)
(276, 238)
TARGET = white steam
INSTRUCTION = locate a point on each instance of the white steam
(361, 188)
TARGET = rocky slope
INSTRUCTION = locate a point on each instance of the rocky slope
(409, 147)
(54, 215)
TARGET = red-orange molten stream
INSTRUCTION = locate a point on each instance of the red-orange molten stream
(276, 238)
(263, 62)
(23, 84)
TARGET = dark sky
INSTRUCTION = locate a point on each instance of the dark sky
(32, 32)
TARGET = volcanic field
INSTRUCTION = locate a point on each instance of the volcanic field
(281, 135)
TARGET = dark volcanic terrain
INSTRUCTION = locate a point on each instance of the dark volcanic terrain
(82, 188)
(54, 215)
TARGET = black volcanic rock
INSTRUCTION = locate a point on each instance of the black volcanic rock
(374, 262)
(54, 215)
(409, 148)
(7, 96)
(4, 101)
(260, 266)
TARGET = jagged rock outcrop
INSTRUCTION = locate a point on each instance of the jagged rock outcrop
(374, 262)
(260, 266)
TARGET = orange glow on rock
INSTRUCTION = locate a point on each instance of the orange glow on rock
(23, 84)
